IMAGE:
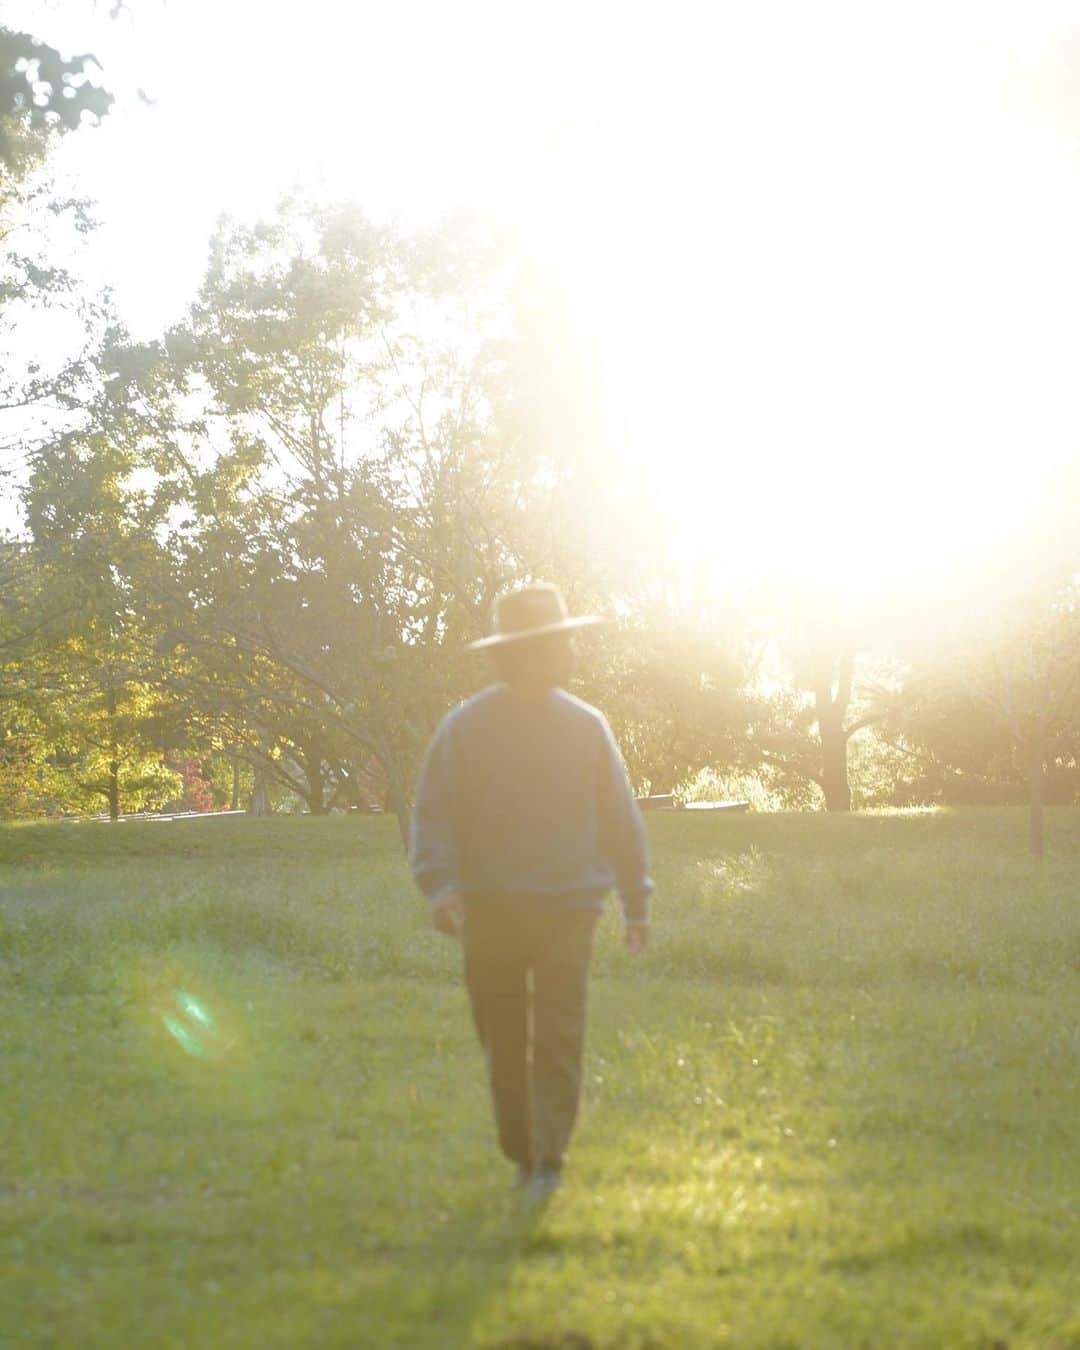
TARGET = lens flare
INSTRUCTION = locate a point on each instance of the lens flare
(193, 1028)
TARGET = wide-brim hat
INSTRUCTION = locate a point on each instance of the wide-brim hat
(531, 612)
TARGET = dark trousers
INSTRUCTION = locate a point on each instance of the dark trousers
(527, 975)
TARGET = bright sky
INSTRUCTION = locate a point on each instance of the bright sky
(828, 251)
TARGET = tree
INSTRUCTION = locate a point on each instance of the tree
(93, 529)
(1002, 689)
(353, 491)
(293, 562)
(42, 93)
(838, 683)
(671, 682)
(276, 529)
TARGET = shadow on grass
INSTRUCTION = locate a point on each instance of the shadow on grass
(435, 1301)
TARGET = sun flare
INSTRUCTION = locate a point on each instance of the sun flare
(826, 260)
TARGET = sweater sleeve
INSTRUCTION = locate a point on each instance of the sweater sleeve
(433, 847)
(622, 834)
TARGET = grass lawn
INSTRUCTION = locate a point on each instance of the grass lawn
(837, 1105)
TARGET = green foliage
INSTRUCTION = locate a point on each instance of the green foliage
(42, 95)
(838, 680)
(26, 787)
(672, 691)
(89, 674)
(44, 376)
(711, 785)
(139, 778)
(1004, 684)
(833, 1106)
(41, 92)
(269, 535)
(344, 481)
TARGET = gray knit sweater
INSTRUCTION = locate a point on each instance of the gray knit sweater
(524, 800)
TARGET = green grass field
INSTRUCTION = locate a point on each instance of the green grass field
(838, 1105)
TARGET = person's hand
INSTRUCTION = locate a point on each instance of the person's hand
(637, 938)
(450, 914)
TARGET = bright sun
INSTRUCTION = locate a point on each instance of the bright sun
(839, 315)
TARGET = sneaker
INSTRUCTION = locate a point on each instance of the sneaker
(545, 1182)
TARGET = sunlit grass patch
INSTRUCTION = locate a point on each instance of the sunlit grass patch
(834, 1106)
(728, 877)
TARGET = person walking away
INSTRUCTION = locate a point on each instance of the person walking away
(524, 821)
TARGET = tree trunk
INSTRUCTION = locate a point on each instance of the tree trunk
(398, 803)
(1036, 787)
(834, 743)
(316, 799)
(114, 749)
(114, 789)
(259, 802)
(234, 800)
(831, 710)
(834, 770)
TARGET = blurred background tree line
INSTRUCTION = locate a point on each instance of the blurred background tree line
(247, 556)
